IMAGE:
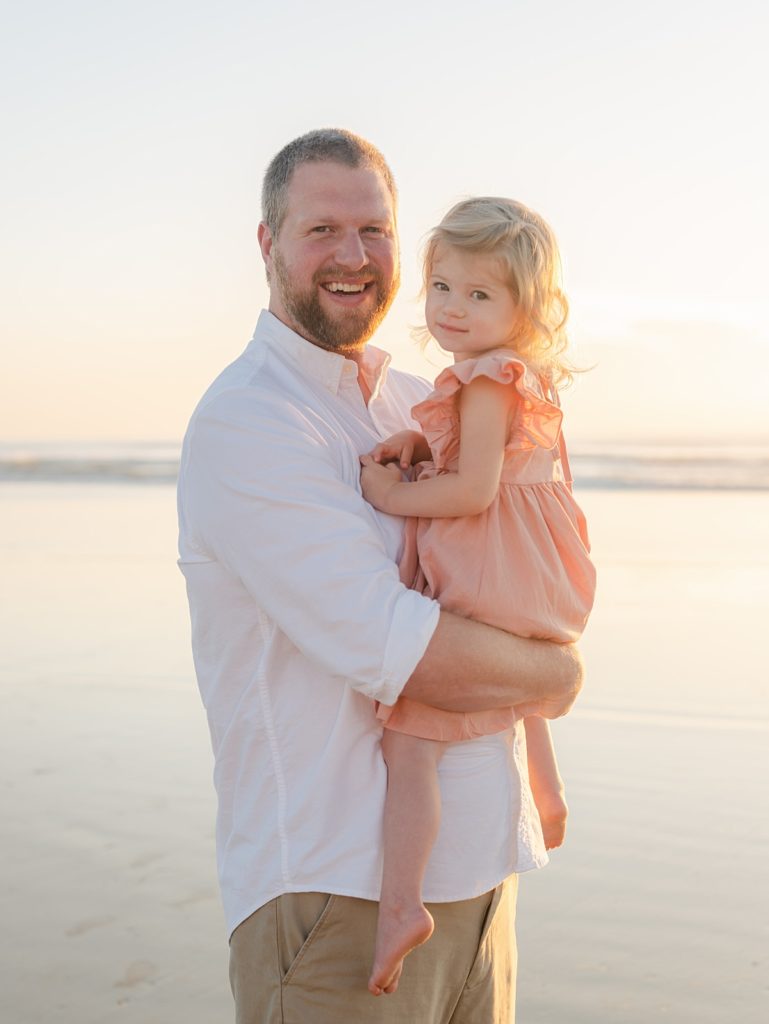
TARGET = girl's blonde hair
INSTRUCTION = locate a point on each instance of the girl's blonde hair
(528, 252)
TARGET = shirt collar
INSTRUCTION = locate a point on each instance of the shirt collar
(328, 368)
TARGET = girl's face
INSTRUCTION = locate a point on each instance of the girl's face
(470, 308)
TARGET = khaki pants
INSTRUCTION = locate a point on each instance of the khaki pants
(305, 958)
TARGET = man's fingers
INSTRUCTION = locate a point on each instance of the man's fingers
(544, 708)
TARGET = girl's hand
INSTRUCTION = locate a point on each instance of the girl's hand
(406, 448)
(377, 480)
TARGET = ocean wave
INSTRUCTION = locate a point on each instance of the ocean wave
(673, 467)
(153, 463)
(595, 467)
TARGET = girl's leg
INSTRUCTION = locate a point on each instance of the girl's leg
(546, 782)
(411, 820)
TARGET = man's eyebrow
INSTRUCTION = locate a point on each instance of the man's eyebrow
(312, 217)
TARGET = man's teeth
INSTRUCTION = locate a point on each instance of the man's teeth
(341, 286)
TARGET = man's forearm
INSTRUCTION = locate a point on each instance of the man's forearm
(469, 666)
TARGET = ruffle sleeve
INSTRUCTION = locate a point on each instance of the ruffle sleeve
(538, 422)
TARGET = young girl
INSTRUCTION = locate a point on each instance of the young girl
(494, 532)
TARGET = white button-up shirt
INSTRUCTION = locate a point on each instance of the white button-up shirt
(299, 621)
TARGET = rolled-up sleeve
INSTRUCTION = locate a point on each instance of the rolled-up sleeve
(271, 505)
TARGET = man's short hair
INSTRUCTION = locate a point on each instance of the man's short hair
(324, 144)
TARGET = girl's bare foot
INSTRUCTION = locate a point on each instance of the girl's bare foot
(398, 932)
(553, 813)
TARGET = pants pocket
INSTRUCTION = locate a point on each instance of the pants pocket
(496, 949)
(301, 918)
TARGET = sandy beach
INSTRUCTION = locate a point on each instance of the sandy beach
(656, 909)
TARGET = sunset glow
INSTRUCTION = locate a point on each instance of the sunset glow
(138, 142)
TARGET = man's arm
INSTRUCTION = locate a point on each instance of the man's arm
(277, 507)
(270, 505)
(469, 666)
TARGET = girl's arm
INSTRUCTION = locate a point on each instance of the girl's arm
(546, 782)
(485, 411)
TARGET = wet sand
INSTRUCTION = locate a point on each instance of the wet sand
(656, 908)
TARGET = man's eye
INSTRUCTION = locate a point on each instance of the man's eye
(321, 229)
(479, 294)
(374, 230)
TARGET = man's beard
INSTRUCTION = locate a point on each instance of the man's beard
(354, 326)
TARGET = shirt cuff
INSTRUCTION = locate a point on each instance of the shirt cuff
(415, 619)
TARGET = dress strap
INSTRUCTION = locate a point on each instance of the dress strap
(563, 454)
(565, 460)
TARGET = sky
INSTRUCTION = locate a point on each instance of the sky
(136, 134)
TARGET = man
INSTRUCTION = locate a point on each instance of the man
(300, 622)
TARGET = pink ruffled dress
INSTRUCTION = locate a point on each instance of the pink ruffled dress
(523, 564)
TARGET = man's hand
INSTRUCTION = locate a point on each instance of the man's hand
(405, 448)
(469, 666)
(377, 480)
(556, 705)
(549, 707)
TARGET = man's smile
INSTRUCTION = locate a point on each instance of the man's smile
(345, 286)
(348, 293)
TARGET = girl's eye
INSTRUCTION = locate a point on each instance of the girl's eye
(478, 294)
(440, 286)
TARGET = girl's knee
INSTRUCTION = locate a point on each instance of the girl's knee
(401, 748)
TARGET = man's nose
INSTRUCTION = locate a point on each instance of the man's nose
(350, 251)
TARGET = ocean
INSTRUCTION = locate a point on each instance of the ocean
(628, 466)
